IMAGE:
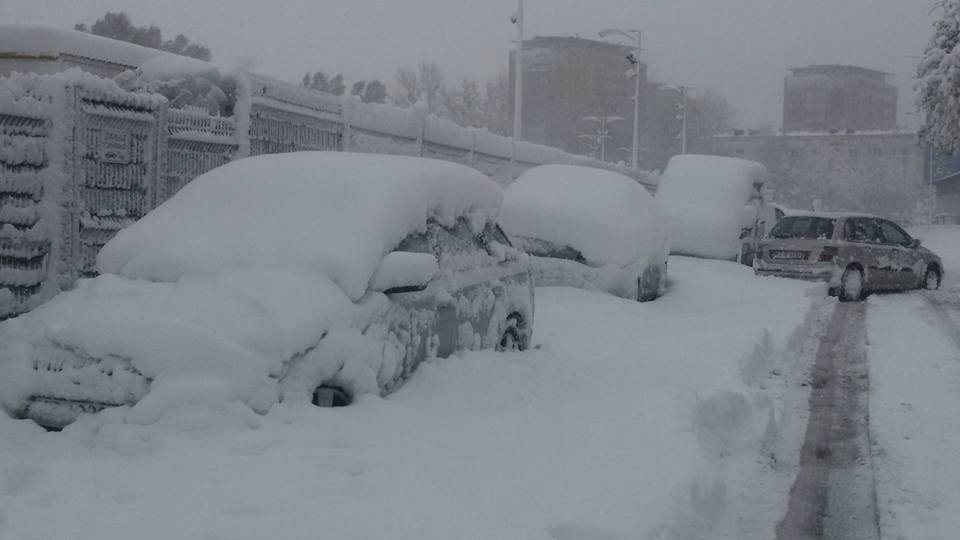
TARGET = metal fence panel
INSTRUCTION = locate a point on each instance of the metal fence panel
(24, 178)
(117, 155)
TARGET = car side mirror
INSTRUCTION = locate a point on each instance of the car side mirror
(914, 243)
(404, 271)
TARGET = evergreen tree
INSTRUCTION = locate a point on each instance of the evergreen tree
(938, 81)
(119, 26)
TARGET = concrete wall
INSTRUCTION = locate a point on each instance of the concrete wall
(868, 172)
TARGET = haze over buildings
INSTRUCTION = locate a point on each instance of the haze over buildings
(739, 48)
(835, 97)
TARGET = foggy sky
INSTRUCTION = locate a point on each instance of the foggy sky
(740, 48)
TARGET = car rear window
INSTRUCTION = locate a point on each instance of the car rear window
(805, 227)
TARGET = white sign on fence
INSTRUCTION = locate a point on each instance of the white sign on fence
(114, 146)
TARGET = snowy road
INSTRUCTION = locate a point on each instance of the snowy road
(878, 459)
(915, 412)
(834, 494)
(678, 419)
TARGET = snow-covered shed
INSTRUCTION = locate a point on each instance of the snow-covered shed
(42, 49)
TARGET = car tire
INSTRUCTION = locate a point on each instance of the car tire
(851, 285)
(931, 279)
(510, 339)
(648, 286)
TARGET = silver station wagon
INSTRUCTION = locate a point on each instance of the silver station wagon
(854, 253)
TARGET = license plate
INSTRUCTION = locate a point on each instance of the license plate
(788, 255)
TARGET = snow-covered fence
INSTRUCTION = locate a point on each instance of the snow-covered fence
(81, 158)
(286, 118)
(78, 161)
(412, 131)
(25, 174)
(196, 142)
(116, 149)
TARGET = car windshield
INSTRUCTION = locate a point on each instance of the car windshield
(542, 248)
(805, 227)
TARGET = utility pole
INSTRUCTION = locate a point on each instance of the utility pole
(634, 59)
(518, 77)
(683, 127)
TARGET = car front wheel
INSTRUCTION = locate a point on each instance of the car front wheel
(510, 339)
(931, 280)
(851, 285)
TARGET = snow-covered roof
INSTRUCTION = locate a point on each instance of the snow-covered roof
(35, 40)
(606, 216)
(333, 212)
(831, 215)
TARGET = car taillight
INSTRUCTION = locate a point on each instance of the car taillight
(828, 253)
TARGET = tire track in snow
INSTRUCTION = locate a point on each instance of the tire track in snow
(941, 305)
(834, 494)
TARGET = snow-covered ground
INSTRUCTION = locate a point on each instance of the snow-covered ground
(915, 400)
(944, 240)
(628, 420)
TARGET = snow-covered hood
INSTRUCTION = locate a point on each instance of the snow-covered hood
(235, 330)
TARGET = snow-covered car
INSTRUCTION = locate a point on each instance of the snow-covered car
(716, 206)
(306, 276)
(854, 253)
(588, 228)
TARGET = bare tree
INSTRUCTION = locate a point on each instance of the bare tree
(426, 83)
(496, 105)
(464, 103)
(708, 114)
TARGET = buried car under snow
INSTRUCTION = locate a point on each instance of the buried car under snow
(588, 228)
(854, 253)
(299, 276)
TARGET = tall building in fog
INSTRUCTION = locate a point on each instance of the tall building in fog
(825, 98)
(568, 78)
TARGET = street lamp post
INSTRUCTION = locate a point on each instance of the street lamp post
(602, 133)
(682, 90)
(931, 189)
(518, 77)
(634, 59)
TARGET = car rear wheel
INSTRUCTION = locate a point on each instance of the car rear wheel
(331, 396)
(851, 285)
(931, 280)
(648, 286)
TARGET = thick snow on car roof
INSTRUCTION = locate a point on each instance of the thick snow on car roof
(606, 216)
(333, 212)
(704, 199)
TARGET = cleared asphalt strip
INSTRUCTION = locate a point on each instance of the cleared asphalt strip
(834, 494)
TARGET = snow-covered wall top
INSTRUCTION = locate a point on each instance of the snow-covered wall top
(34, 40)
(43, 88)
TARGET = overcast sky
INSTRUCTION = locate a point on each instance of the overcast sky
(740, 48)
